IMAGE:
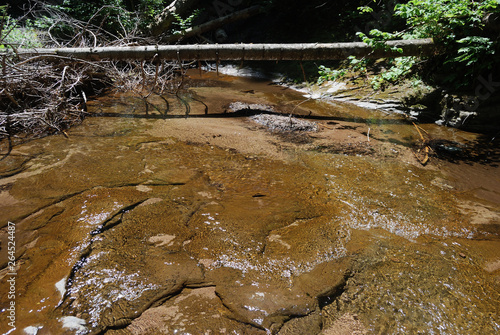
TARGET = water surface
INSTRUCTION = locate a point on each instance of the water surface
(150, 223)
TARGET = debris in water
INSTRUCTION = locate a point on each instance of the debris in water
(284, 123)
(238, 106)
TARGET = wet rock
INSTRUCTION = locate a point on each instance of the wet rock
(171, 177)
(347, 324)
(266, 305)
(456, 110)
(309, 324)
(428, 286)
(492, 266)
(13, 166)
(53, 239)
(326, 281)
(111, 285)
(242, 106)
(193, 311)
(193, 228)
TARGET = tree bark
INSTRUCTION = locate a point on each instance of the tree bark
(216, 52)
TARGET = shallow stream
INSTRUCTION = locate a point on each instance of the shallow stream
(197, 220)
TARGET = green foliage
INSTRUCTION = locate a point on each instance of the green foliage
(358, 65)
(183, 24)
(400, 67)
(474, 50)
(454, 24)
(15, 34)
(365, 9)
(444, 19)
(106, 15)
(353, 65)
(3, 17)
(327, 74)
(150, 8)
(378, 39)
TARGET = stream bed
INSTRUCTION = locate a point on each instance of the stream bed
(184, 216)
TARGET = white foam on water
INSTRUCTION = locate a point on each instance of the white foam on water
(61, 286)
(31, 330)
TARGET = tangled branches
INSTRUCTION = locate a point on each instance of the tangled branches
(40, 96)
(44, 95)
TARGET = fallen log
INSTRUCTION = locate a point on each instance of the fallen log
(216, 52)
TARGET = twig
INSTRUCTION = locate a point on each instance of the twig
(425, 149)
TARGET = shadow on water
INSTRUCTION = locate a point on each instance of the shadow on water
(485, 150)
(246, 113)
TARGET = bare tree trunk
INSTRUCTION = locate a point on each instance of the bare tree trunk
(216, 52)
(166, 17)
(239, 15)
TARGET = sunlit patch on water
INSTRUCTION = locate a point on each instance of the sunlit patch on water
(213, 222)
(31, 330)
(400, 224)
(61, 287)
(236, 71)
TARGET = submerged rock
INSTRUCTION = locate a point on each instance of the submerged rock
(284, 123)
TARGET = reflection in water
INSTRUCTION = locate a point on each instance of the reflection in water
(151, 225)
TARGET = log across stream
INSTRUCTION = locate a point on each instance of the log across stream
(216, 52)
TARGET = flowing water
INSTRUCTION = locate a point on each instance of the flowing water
(145, 221)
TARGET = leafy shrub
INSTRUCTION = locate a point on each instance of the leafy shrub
(400, 68)
(181, 24)
(444, 20)
(13, 34)
(456, 25)
(352, 65)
